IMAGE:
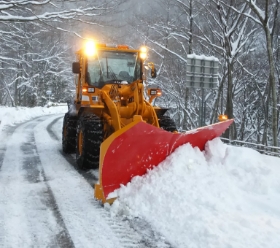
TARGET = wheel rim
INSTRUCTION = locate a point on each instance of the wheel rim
(80, 144)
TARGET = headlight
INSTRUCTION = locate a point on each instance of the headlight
(156, 92)
(153, 92)
(90, 48)
(88, 90)
(223, 117)
(143, 52)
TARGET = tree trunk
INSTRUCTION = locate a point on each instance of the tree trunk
(187, 92)
(191, 29)
(272, 85)
(229, 134)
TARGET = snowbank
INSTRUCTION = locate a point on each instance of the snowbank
(10, 116)
(223, 197)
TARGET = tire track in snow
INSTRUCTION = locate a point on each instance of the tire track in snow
(74, 196)
(6, 133)
(35, 174)
(30, 216)
(131, 232)
(50, 128)
(90, 176)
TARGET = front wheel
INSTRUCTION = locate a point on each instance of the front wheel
(89, 138)
(167, 124)
(69, 133)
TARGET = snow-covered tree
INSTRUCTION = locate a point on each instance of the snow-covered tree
(36, 45)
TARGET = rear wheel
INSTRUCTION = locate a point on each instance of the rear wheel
(69, 133)
(167, 124)
(89, 138)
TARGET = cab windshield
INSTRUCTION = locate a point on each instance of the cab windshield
(113, 67)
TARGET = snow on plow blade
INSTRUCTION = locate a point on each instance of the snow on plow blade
(138, 147)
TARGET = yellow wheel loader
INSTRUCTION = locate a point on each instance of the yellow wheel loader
(111, 126)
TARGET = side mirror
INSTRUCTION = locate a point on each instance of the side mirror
(153, 73)
(76, 67)
(153, 69)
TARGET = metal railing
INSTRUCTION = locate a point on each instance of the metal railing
(268, 150)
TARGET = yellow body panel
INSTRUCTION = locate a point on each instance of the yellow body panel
(118, 105)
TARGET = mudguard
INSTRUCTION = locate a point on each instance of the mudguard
(139, 147)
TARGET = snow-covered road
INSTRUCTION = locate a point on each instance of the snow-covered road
(222, 197)
(46, 202)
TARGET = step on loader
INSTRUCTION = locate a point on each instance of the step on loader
(111, 126)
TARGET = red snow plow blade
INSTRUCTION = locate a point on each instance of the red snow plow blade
(138, 147)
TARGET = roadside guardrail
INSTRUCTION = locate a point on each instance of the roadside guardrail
(268, 150)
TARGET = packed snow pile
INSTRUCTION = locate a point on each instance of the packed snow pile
(9, 115)
(223, 197)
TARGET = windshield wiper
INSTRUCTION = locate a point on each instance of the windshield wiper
(113, 81)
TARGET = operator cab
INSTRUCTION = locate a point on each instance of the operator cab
(113, 67)
(105, 65)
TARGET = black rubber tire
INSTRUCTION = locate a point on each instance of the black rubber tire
(89, 138)
(167, 124)
(69, 133)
